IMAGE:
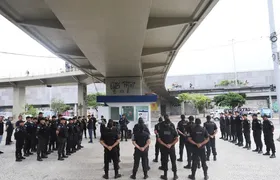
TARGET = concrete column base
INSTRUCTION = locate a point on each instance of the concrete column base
(82, 95)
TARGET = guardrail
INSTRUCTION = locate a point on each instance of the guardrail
(39, 72)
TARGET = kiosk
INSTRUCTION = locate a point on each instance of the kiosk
(132, 106)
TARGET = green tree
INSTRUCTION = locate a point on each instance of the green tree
(91, 99)
(58, 106)
(30, 110)
(230, 99)
(224, 83)
(185, 97)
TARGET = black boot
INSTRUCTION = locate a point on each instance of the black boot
(273, 155)
(188, 166)
(105, 176)
(215, 158)
(60, 158)
(249, 147)
(164, 177)
(207, 158)
(63, 155)
(175, 176)
(191, 177)
(133, 176)
(39, 158)
(146, 175)
(180, 159)
(155, 160)
(117, 175)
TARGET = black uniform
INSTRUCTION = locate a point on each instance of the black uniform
(53, 137)
(247, 132)
(268, 129)
(28, 139)
(78, 135)
(211, 127)
(42, 137)
(110, 137)
(34, 139)
(257, 134)
(198, 135)
(61, 139)
(223, 127)
(10, 129)
(233, 128)
(20, 135)
(94, 126)
(189, 146)
(182, 142)
(84, 122)
(48, 137)
(157, 145)
(238, 121)
(167, 134)
(140, 137)
(123, 125)
(70, 139)
(228, 128)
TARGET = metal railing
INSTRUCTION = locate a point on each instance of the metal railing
(39, 72)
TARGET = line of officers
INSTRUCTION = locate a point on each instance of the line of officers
(43, 136)
(233, 127)
(194, 135)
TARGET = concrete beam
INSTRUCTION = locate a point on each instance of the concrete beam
(151, 51)
(90, 67)
(152, 74)
(42, 81)
(158, 22)
(151, 81)
(47, 23)
(18, 101)
(13, 84)
(153, 84)
(75, 78)
(152, 65)
(71, 52)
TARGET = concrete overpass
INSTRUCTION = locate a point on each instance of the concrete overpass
(135, 41)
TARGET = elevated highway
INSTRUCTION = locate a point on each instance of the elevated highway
(113, 41)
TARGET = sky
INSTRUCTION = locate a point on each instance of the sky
(208, 50)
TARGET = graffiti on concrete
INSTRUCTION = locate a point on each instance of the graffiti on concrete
(122, 87)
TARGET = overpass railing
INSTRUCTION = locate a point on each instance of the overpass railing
(38, 72)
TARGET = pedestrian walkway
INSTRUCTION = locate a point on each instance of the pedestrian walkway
(234, 163)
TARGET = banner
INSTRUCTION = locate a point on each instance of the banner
(144, 115)
(154, 107)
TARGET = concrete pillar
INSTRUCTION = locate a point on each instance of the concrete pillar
(82, 94)
(121, 86)
(18, 101)
(182, 107)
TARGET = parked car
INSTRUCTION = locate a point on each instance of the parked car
(266, 111)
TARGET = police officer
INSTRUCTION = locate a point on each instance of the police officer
(211, 129)
(228, 127)
(77, 134)
(102, 124)
(48, 135)
(182, 124)
(247, 131)
(222, 126)
(110, 139)
(34, 139)
(123, 125)
(198, 137)
(62, 134)
(233, 128)
(257, 133)
(29, 130)
(268, 129)
(141, 141)
(157, 145)
(84, 122)
(168, 137)
(70, 138)
(238, 122)
(53, 138)
(19, 134)
(41, 135)
(189, 146)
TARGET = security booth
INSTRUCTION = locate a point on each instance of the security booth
(132, 106)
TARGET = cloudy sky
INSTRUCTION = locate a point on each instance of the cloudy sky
(209, 50)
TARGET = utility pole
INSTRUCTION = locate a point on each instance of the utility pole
(234, 62)
(274, 49)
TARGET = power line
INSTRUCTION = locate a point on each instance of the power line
(27, 55)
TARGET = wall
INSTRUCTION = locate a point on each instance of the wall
(124, 86)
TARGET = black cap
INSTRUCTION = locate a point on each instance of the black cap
(53, 116)
(221, 112)
(265, 115)
(62, 118)
(236, 111)
(230, 112)
(197, 121)
(79, 117)
(20, 121)
(41, 113)
(27, 117)
(183, 116)
(70, 119)
(244, 115)
(74, 118)
(255, 115)
(191, 118)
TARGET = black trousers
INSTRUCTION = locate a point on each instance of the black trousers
(223, 132)
(239, 134)
(111, 155)
(157, 148)
(199, 154)
(80, 138)
(8, 137)
(228, 130)
(70, 143)
(75, 142)
(85, 131)
(61, 145)
(211, 145)
(124, 133)
(269, 142)
(165, 155)
(94, 132)
(19, 147)
(53, 139)
(182, 144)
(233, 132)
(247, 135)
(144, 159)
(27, 144)
(47, 140)
(34, 142)
(258, 140)
(189, 152)
(41, 146)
